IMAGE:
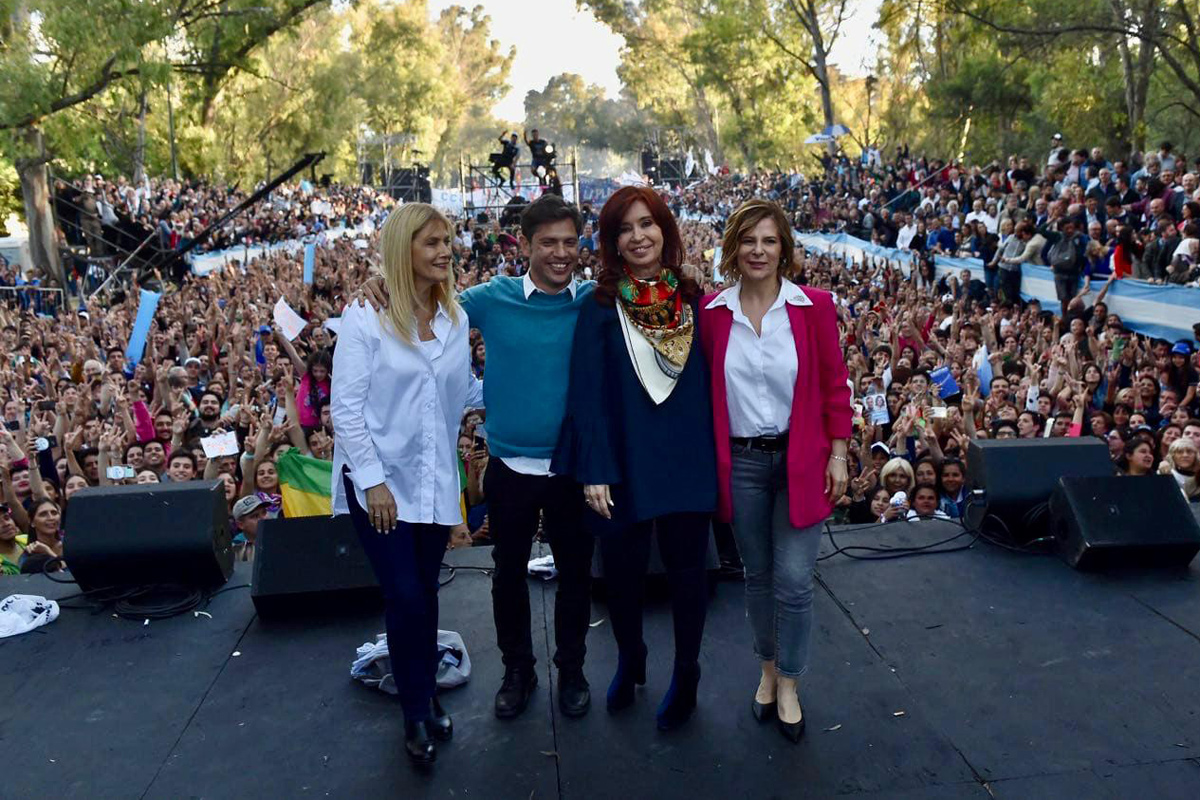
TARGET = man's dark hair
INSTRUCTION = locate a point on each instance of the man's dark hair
(178, 454)
(548, 208)
(216, 397)
(130, 447)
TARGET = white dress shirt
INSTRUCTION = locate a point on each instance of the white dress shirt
(524, 464)
(760, 371)
(905, 236)
(396, 411)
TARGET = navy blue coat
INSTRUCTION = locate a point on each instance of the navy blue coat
(657, 459)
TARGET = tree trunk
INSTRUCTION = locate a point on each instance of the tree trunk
(212, 82)
(35, 189)
(1136, 69)
(820, 67)
(743, 143)
(704, 115)
(139, 150)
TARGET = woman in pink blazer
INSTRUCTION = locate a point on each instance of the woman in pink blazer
(782, 419)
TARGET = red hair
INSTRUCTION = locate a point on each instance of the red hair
(612, 267)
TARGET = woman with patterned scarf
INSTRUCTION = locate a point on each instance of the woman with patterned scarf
(638, 435)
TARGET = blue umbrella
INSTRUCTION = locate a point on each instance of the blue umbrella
(836, 130)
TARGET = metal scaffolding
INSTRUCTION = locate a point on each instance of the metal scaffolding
(481, 191)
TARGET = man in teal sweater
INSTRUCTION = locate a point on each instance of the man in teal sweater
(528, 324)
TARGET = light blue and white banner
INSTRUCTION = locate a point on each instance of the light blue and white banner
(147, 305)
(310, 255)
(207, 262)
(1167, 312)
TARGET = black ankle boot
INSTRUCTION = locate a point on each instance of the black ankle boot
(574, 695)
(441, 727)
(514, 692)
(418, 745)
(680, 701)
(631, 671)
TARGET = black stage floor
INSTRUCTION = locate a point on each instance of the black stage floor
(1017, 678)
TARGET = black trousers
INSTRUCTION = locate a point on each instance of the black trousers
(1010, 285)
(514, 501)
(407, 562)
(683, 545)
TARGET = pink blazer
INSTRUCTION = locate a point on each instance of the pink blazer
(821, 408)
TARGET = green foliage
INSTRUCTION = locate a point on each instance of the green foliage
(570, 112)
(10, 194)
(1021, 71)
(254, 83)
(704, 76)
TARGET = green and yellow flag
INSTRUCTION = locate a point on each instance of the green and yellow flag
(305, 484)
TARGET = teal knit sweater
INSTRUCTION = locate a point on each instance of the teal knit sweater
(528, 362)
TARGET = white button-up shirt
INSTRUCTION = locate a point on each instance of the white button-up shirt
(396, 411)
(760, 371)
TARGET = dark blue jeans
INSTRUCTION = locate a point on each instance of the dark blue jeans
(407, 562)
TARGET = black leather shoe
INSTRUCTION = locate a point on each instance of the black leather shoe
(792, 730)
(574, 695)
(514, 693)
(763, 712)
(420, 748)
(441, 727)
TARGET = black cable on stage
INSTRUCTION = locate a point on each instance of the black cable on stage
(889, 553)
(464, 567)
(1032, 517)
(148, 601)
(1008, 542)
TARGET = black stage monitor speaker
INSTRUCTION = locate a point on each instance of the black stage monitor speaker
(311, 564)
(1018, 474)
(1120, 521)
(156, 533)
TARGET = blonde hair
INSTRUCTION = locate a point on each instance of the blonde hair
(741, 222)
(395, 245)
(1191, 484)
(898, 464)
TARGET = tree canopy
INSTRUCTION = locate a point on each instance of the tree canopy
(248, 85)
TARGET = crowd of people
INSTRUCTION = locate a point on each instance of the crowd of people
(73, 406)
(1016, 369)
(150, 220)
(642, 383)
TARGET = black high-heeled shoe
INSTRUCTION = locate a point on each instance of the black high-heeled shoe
(763, 712)
(420, 748)
(791, 730)
(441, 727)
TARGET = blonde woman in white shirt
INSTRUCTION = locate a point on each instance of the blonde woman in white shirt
(401, 380)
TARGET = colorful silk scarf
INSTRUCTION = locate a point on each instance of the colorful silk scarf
(658, 312)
